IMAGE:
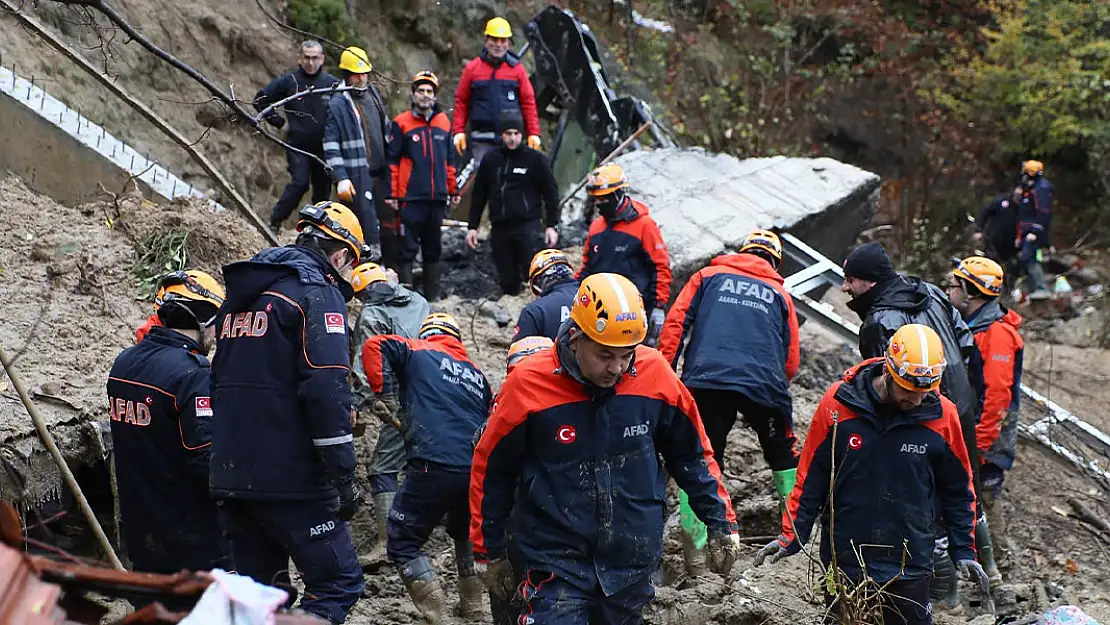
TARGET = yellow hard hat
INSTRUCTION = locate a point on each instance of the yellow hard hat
(982, 273)
(525, 347)
(366, 274)
(499, 27)
(1032, 168)
(609, 310)
(189, 288)
(605, 180)
(915, 358)
(541, 262)
(440, 323)
(355, 60)
(764, 240)
(425, 76)
(332, 220)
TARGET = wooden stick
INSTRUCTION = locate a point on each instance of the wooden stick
(615, 153)
(52, 447)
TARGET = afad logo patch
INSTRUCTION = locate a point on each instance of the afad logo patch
(203, 406)
(333, 322)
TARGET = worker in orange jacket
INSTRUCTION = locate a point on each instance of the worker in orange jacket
(974, 289)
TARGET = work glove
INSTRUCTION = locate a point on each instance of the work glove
(350, 499)
(655, 326)
(723, 551)
(460, 142)
(973, 572)
(534, 142)
(345, 190)
(386, 408)
(497, 576)
(373, 252)
(775, 551)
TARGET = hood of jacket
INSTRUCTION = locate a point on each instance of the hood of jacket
(989, 313)
(857, 392)
(749, 264)
(246, 280)
(900, 292)
(570, 284)
(386, 294)
(172, 338)
(449, 344)
(628, 210)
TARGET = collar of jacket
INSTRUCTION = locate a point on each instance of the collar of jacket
(857, 392)
(863, 303)
(384, 293)
(427, 119)
(749, 264)
(986, 315)
(568, 364)
(449, 344)
(627, 211)
(172, 338)
(509, 59)
(551, 288)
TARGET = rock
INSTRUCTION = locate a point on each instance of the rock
(492, 311)
(982, 619)
(706, 203)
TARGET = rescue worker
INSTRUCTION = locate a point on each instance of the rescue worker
(354, 144)
(1034, 231)
(448, 399)
(423, 168)
(997, 223)
(283, 455)
(493, 82)
(304, 129)
(624, 239)
(974, 290)
(885, 301)
(387, 308)
(898, 453)
(524, 348)
(523, 198)
(551, 279)
(159, 402)
(582, 423)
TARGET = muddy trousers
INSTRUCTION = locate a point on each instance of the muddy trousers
(388, 460)
(550, 600)
(904, 602)
(428, 493)
(513, 244)
(303, 172)
(266, 534)
(718, 409)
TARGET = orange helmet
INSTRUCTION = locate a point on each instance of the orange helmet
(1032, 168)
(766, 241)
(605, 180)
(525, 347)
(982, 273)
(915, 358)
(332, 220)
(609, 310)
(542, 262)
(195, 290)
(440, 323)
(366, 274)
(425, 76)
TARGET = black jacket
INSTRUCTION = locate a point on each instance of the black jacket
(305, 116)
(999, 222)
(515, 182)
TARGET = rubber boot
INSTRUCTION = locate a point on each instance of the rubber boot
(471, 589)
(404, 273)
(997, 523)
(426, 592)
(431, 281)
(784, 485)
(985, 549)
(945, 590)
(382, 503)
(694, 538)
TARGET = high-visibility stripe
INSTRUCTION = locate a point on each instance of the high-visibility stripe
(620, 293)
(924, 345)
(334, 440)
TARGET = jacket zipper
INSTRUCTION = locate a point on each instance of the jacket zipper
(504, 177)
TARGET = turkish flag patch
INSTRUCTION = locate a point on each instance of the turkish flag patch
(334, 323)
(204, 406)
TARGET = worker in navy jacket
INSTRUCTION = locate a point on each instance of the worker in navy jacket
(447, 398)
(551, 278)
(160, 406)
(581, 428)
(1034, 212)
(283, 456)
(898, 453)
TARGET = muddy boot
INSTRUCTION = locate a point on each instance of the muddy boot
(471, 589)
(427, 595)
(997, 522)
(985, 548)
(693, 558)
(376, 558)
(945, 590)
(431, 281)
(404, 273)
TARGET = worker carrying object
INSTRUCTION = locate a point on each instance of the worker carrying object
(551, 279)
(447, 398)
(974, 289)
(159, 402)
(735, 324)
(354, 143)
(1034, 225)
(586, 422)
(387, 308)
(493, 82)
(283, 455)
(523, 196)
(624, 239)
(885, 449)
(423, 169)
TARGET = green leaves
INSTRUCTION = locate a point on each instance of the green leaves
(324, 18)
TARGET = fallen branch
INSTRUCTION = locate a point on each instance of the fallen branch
(1084, 512)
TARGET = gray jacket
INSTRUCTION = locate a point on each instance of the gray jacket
(395, 310)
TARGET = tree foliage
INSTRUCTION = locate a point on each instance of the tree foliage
(327, 18)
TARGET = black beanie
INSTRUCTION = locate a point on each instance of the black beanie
(510, 120)
(869, 262)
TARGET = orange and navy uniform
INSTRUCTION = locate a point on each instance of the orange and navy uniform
(736, 291)
(445, 394)
(632, 246)
(489, 86)
(421, 157)
(160, 415)
(892, 467)
(590, 504)
(996, 334)
(150, 322)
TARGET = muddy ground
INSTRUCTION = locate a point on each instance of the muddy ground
(70, 302)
